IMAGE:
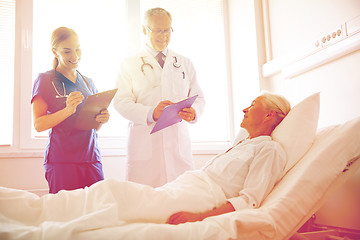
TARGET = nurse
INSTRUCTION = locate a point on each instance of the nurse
(148, 82)
(72, 157)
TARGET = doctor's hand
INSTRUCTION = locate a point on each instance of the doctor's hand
(188, 114)
(73, 100)
(160, 108)
(103, 116)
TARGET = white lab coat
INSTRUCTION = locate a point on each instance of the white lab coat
(155, 159)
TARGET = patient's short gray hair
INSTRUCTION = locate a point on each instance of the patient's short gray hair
(155, 11)
(277, 103)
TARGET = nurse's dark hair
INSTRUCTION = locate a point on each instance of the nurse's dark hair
(60, 34)
(155, 11)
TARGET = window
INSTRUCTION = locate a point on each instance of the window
(199, 35)
(101, 27)
(108, 31)
(7, 51)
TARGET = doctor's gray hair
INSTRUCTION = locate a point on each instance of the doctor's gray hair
(155, 11)
(60, 34)
(277, 103)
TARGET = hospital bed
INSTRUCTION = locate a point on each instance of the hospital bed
(319, 162)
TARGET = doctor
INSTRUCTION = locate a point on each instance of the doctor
(146, 86)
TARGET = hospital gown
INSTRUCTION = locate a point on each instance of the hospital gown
(248, 171)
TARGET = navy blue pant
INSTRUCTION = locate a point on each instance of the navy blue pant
(70, 176)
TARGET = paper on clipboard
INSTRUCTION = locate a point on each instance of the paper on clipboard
(170, 114)
(92, 106)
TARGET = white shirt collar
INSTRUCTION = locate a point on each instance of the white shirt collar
(256, 139)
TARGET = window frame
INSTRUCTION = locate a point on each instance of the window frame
(24, 143)
(7, 45)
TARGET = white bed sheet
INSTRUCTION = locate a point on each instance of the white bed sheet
(293, 200)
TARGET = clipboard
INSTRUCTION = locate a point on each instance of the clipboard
(170, 114)
(85, 120)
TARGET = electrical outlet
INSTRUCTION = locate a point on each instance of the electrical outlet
(331, 37)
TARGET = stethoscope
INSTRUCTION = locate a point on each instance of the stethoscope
(64, 95)
(144, 64)
(57, 92)
(176, 64)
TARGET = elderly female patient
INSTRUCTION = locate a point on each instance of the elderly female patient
(238, 178)
(249, 170)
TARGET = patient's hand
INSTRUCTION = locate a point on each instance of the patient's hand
(183, 217)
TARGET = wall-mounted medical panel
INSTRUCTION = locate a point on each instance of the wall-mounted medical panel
(342, 40)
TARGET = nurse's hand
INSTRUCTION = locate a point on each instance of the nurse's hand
(73, 100)
(160, 108)
(103, 116)
(188, 114)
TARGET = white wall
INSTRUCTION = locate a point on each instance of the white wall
(338, 84)
(297, 24)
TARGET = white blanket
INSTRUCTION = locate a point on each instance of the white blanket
(119, 210)
(106, 204)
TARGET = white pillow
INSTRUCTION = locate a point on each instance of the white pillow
(297, 131)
